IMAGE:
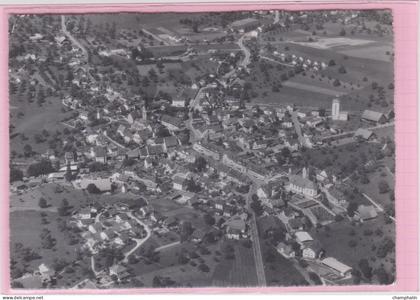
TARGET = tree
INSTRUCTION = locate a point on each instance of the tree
(47, 241)
(42, 203)
(183, 259)
(192, 186)
(256, 206)
(331, 63)
(68, 176)
(93, 189)
(27, 150)
(336, 82)
(385, 247)
(186, 230)
(365, 268)
(204, 268)
(15, 174)
(342, 32)
(383, 276)
(200, 164)
(315, 278)
(40, 168)
(342, 70)
(383, 187)
(64, 207)
(351, 209)
(209, 219)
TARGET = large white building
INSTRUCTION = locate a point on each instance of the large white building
(302, 186)
(336, 114)
(335, 110)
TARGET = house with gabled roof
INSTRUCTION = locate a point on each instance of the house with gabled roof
(285, 250)
(95, 228)
(119, 271)
(172, 123)
(312, 250)
(170, 143)
(373, 116)
(366, 212)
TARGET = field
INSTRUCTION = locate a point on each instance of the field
(33, 119)
(26, 227)
(371, 189)
(375, 52)
(368, 236)
(312, 88)
(133, 21)
(168, 265)
(357, 67)
(279, 271)
(328, 43)
(342, 160)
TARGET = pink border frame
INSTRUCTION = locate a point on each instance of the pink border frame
(405, 29)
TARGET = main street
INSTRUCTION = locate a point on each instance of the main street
(256, 247)
(296, 123)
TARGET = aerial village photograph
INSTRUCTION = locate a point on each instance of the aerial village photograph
(212, 149)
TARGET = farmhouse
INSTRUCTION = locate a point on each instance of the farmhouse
(100, 154)
(302, 237)
(285, 250)
(363, 134)
(119, 271)
(172, 123)
(312, 251)
(366, 212)
(373, 116)
(337, 266)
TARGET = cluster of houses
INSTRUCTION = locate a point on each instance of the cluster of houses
(107, 227)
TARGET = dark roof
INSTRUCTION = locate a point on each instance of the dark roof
(171, 141)
(372, 115)
(100, 151)
(172, 120)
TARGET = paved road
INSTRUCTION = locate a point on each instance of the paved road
(276, 17)
(114, 142)
(259, 264)
(276, 61)
(368, 128)
(92, 264)
(138, 241)
(378, 207)
(296, 123)
(71, 38)
(245, 62)
(156, 37)
(167, 246)
(247, 59)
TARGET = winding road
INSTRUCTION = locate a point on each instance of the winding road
(139, 242)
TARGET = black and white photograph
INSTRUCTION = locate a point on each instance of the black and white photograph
(208, 149)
